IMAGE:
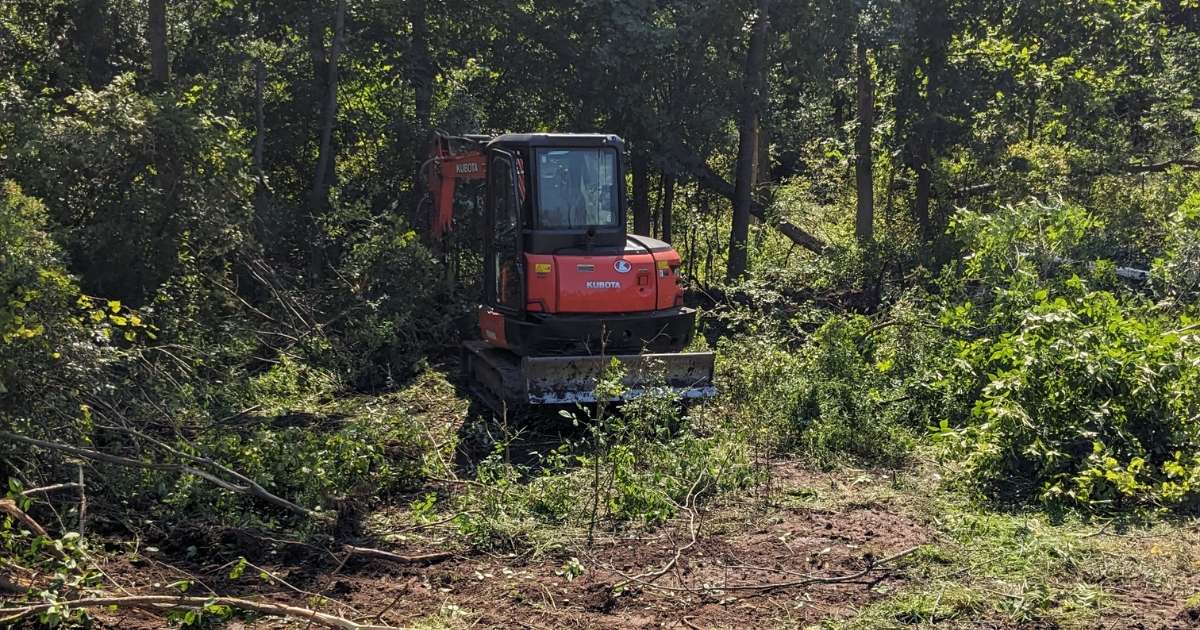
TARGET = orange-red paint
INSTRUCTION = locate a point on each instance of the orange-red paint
(491, 327)
(594, 284)
(669, 291)
(448, 171)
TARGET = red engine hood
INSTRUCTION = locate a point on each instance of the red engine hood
(606, 284)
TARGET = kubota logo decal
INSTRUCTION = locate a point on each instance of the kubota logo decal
(622, 266)
(603, 284)
(466, 167)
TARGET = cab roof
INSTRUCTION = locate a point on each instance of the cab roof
(560, 140)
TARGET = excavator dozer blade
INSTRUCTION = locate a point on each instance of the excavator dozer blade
(499, 376)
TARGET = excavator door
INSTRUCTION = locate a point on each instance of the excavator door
(503, 286)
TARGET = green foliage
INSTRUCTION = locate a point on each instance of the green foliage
(54, 341)
(639, 465)
(401, 301)
(832, 399)
(132, 179)
(1087, 401)
(64, 563)
(1082, 396)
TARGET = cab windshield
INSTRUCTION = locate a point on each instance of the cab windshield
(577, 188)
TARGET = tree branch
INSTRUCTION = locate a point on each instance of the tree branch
(1160, 167)
(174, 601)
(429, 558)
(250, 488)
(695, 166)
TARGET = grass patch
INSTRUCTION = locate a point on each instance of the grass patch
(994, 566)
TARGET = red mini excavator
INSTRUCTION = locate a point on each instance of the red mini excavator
(565, 289)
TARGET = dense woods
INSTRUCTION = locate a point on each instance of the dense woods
(951, 242)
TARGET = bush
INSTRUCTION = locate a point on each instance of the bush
(1082, 396)
(54, 341)
(638, 465)
(398, 302)
(832, 399)
(1089, 400)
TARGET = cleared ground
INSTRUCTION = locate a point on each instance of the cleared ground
(846, 548)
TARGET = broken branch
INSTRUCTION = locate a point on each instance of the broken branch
(250, 487)
(173, 601)
(429, 558)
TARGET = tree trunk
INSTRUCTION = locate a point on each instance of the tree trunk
(695, 165)
(316, 48)
(641, 195)
(666, 206)
(320, 189)
(762, 162)
(932, 137)
(91, 34)
(421, 78)
(325, 158)
(157, 32)
(260, 126)
(864, 164)
(753, 92)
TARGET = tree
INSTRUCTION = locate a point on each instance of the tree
(641, 194)
(753, 94)
(666, 206)
(325, 157)
(864, 165)
(159, 68)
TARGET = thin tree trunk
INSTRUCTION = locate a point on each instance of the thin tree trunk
(92, 37)
(157, 33)
(922, 194)
(167, 166)
(260, 126)
(762, 162)
(864, 164)
(668, 203)
(325, 159)
(753, 91)
(641, 195)
(656, 206)
(321, 177)
(933, 98)
(421, 78)
(316, 47)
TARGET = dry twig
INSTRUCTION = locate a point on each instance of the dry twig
(48, 489)
(178, 601)
(367, 552)
(689, 506)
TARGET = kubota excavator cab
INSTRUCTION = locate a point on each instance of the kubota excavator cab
(566, 289)
(561, 274)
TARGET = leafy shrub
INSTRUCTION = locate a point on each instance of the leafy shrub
(1088, 400)
(640, 464)
(1082, 396)
(831, 399)
(399, 302)
(56, 569)
(54, 345)
(1176, 274)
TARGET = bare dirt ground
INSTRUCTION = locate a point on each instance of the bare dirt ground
(856, 549)
(819, 552)
(747, 567)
